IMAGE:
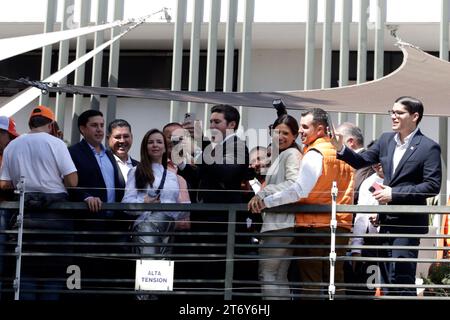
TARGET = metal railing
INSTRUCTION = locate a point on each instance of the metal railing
(231, 254)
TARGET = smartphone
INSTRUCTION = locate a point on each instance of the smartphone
(330, 128)
(189, 117)
(374, 187)
(255, 184)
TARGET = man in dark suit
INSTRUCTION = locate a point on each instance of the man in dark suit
(120, 140)
(218, 174)
(412, 172)
(97, 172)
(98, 182)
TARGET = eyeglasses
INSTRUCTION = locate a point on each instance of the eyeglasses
(397, 113)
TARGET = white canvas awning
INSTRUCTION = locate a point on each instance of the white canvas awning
(420, 75)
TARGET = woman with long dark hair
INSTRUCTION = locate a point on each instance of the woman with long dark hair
(285, 163)
(151, 182)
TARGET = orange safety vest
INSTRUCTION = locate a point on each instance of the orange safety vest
(332, 170)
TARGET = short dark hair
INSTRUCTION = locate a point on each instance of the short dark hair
(83, 119)
(117, 123)
(412, 105)
(38, 121)
(230, 113)
(320, 116)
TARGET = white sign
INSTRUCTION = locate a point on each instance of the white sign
(154, 275)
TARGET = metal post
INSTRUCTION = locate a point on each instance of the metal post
(46, 60)
(177, 56)
(246, 55)
(333, 226)
(63, 60)
(102, 11)
(21, 191)
(229, 267)
(211, 60)
(310, 41)
(114, 54)
(85, 7)
(194, 54)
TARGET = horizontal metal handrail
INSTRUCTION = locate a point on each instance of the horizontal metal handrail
(296, 208)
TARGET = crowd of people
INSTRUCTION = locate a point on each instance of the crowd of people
(178, 165)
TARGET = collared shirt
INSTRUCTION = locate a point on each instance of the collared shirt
(107, 169)
(362, 224)
(309, 172)
(400, 148)
(124, 166)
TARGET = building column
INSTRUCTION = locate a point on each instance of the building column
(194, 53)
(211, 60)
(310, 40)
(229, 46)
(443, 121)
(177, 60)
(85, 11)
(327, 43)
(102, 13)
(114, 55)
(46, 60)
(346, 17)
(63, 60)
(246, 56)
(378, 71)
(362, 53)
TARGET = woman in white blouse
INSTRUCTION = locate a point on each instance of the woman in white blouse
(151, 182)
(282, 173)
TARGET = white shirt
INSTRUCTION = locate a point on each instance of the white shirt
(309, 172)
(41, 158)
(400, 148)
(124, 166)
(362, 223)
(169, 193)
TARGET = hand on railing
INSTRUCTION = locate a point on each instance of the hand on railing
(94, 204)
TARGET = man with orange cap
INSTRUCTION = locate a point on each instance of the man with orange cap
(45, 163)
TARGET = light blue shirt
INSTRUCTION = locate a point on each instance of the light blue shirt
(107, 169)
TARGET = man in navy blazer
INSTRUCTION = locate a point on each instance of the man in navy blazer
(412, 168)
(98, 176)
(98, 182)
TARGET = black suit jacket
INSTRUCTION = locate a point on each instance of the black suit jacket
(90, 179)
(417, 177)
(222, 170)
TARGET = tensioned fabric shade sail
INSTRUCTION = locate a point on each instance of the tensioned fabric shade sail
(421, 75)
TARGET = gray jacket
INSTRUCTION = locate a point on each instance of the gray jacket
(282, 173)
